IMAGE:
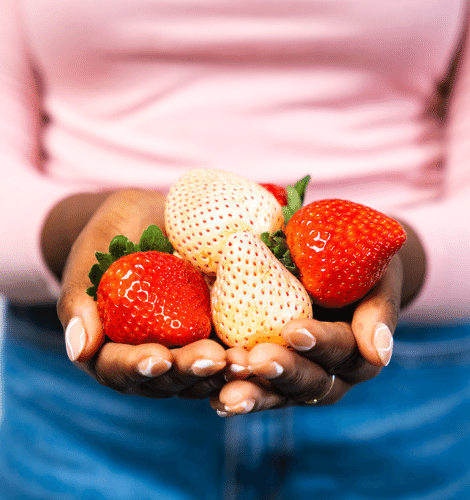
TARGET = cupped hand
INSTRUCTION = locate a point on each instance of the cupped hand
(150, 370)
(326, 356)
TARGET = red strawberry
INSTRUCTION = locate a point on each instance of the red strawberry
(341, 249)
(279, 192)
(150, 296)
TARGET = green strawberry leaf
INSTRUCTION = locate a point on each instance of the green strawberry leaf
(152, 239)
(264, 237)
(295, 197)
(131, 248)
(95, 276)
(118, 247)
(104, 260)
(278, 246)
(294, 201)
(301, 187)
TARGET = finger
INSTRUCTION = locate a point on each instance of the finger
(376, 317)
(330, 345)
(191, 364)
(204, 388)
(83, 329)
(237, 364)
(124, 367)
(246, 396)
(199, 359)
(295, 376)
(77, 311)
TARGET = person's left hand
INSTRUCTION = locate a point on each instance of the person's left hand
(150, 369)
(324, 360)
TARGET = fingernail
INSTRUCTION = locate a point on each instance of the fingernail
(224, 414)
(301, 339)
(383, 342)
(151, 367)
(236, 371)
(269, 370)
(205, 367)
(75, 338)
(243, 407)
(237, 368)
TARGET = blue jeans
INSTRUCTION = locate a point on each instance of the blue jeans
(403, 435)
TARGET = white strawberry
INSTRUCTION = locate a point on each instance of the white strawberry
(205, 206)
(254, 295)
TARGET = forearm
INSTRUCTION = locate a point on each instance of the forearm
(70, 216)
(413, 259)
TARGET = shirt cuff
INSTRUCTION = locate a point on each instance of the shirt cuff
(27, 278)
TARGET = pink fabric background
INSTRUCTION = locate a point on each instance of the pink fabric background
(138, 91)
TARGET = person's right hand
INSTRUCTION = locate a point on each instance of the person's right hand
(151, 370)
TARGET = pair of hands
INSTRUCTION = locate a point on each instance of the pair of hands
(325, 358)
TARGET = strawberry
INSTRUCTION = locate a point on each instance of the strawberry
(147, 295)
(341, 249)
(254, 295)
(279, 192)
(204, 207)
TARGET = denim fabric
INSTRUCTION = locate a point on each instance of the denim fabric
(403, 435)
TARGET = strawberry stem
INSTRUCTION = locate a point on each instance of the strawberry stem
(152, 239)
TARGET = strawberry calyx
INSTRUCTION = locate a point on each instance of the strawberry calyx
(276, 242)
(152, 239)
(295, 198)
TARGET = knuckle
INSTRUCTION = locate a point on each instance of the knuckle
(316, 389)
(351, 363)
(62, 305)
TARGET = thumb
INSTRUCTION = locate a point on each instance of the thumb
(76, 309)
(124, 212)
(83, 330)
(376, 316)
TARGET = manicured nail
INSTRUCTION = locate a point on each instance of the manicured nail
(301, 339)
(237, 368)
(235, 371)
(242, 407)
(151, 367)
(269, 370)
(224, 414)
(383, 342)
(205, 367)
(75, 338)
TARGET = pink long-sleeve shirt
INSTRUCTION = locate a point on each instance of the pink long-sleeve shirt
(135, 92)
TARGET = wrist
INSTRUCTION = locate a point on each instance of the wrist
(127, 211)
(63, 224)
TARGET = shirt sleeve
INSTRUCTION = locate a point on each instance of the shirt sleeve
(444, 224)
(26, 193)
